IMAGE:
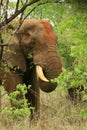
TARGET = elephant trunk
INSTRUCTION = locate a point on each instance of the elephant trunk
(51, 69)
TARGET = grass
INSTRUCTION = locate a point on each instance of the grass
(57, 113)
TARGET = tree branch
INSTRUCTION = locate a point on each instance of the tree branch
(17, 5)
(3, 23)
(39, 4)
(25, 5)
(6, 8)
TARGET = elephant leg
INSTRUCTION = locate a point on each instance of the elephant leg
(33, 94)
(35, 88)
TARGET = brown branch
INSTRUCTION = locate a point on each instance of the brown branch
(5, 12)
(1, 4)
(39, 4)
(1, 45)
(17, 12)
(3, 23)
(11, 35)
(17, 5)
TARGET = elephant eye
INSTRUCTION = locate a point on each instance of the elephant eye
(27, 34)
(24, 35)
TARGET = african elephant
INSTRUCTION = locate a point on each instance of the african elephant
(33, 54)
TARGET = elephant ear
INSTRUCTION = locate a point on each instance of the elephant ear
(16, 38)
(14, 57)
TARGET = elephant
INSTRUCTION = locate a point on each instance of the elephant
(32, 59)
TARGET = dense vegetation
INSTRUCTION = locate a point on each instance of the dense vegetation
(69, 19)
(70, 23)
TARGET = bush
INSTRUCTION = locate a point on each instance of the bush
(19, 109)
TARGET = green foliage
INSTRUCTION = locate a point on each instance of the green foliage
(83, 113)
(19, 108)
(72, 32)
(70, 23)
(1, 88)
(46, 11)
(71, 27)
(72, 46)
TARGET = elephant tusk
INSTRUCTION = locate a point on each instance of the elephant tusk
(40, 73)
(63, 69)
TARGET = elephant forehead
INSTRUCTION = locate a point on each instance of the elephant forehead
(38, 31)
(30, 25)
(48, 30)
(39, 25)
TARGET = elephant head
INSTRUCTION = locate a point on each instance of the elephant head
(37, 39)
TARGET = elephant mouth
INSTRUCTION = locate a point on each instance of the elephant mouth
(41, 75)
(44, 84)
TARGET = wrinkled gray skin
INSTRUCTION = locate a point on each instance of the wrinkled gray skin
(34, 44)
